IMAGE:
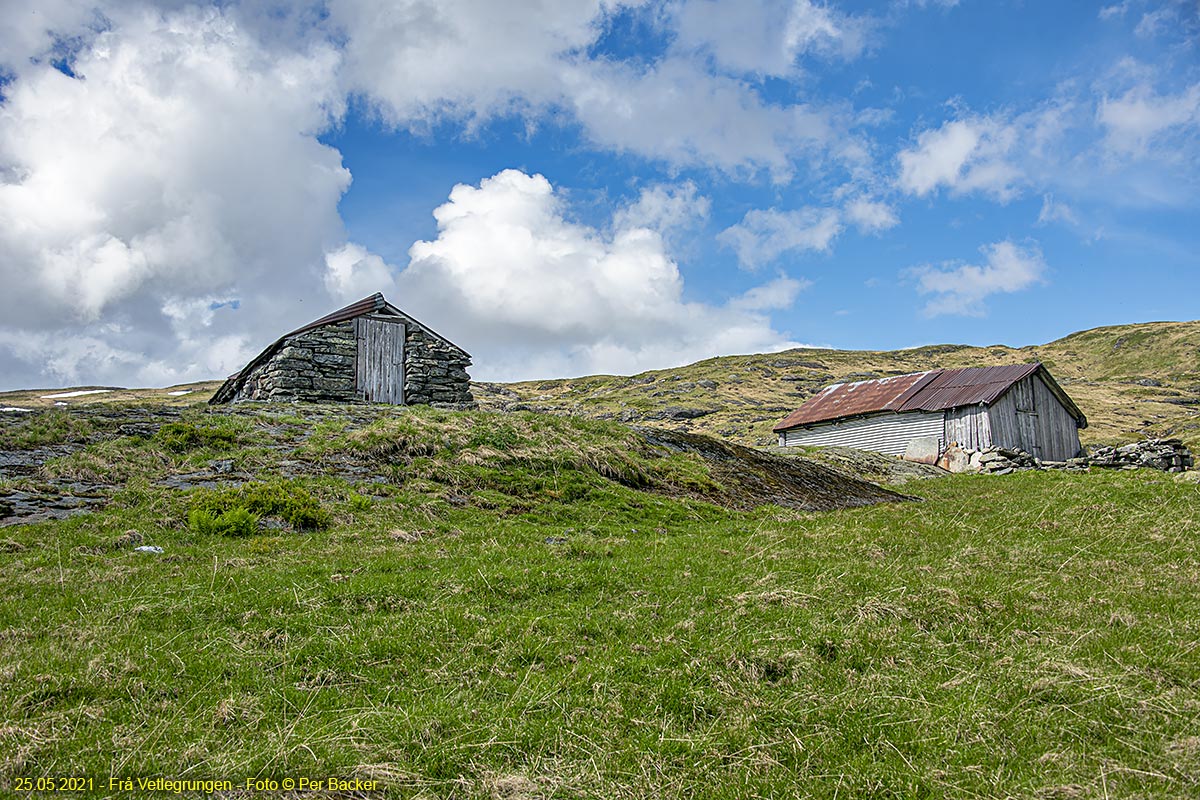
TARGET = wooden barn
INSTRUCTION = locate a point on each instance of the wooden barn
(368, 351)
(1020, 407)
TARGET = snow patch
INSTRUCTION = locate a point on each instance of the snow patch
(79, 393)
(180, 392)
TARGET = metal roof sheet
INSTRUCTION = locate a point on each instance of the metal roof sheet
(952, 388)
(936, 390)
(851, 399)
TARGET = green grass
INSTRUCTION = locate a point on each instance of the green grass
(506, 618)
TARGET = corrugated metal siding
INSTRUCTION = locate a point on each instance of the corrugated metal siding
(969, 426)
(884, 433)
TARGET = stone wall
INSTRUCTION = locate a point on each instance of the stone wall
(1168, 455)
(318, 366)
(434, 371)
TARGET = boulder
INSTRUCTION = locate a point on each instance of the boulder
(955, 459)
(923, 450)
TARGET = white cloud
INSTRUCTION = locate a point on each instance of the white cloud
(531, 293)
(1055, 211)
(765, 234)
(871, 216)
(780, 293)
(1153, 22)
(418, 62)
(352, 273)
(679, 113)
(29, 32)
(665, 208)
(1141, 118)
(1116, 10)
(964, 155)
(767, 37)
(962, 288)
(180, 164)
(423, 59)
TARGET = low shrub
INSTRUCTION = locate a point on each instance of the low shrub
(283, 499)
(234, 522)
(183, 437)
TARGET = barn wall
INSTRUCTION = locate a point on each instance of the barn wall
(1057, 429)
(316, 365)
(1002, 415)
(970, 426)
(1052, 434)
(884, 433)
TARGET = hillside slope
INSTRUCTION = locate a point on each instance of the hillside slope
(1130, 380)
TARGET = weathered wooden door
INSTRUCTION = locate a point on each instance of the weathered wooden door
(379, 374)
(1027, 418)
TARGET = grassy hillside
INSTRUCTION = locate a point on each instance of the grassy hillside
(741, 397)
(528, 606)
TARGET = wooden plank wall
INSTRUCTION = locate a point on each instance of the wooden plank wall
(970, 426)
(1056, 428)
(379, 365)
(1050, 433)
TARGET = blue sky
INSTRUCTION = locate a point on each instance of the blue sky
(582, 186)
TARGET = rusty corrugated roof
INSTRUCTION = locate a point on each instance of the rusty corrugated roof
(851, 399)
(364, 306)
(969, 386)
(936, 390)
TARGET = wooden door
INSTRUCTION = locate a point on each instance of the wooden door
(379, 371)
(1027, 418)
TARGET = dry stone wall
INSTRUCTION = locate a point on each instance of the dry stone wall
(316, 365)
(1168, 455)
(434, 371)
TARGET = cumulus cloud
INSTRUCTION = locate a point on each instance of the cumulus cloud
(665, 208)
(963, 288)
(780, 293)
(1141, 118)
(963, 155)
(180, 161)
(352, 273)
(767, 37)
(421, 59)
(678, 112)
(871, 216)
(531, 293)
(765, 234)
(416, 62)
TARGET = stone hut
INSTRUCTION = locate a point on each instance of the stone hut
(368, 351)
